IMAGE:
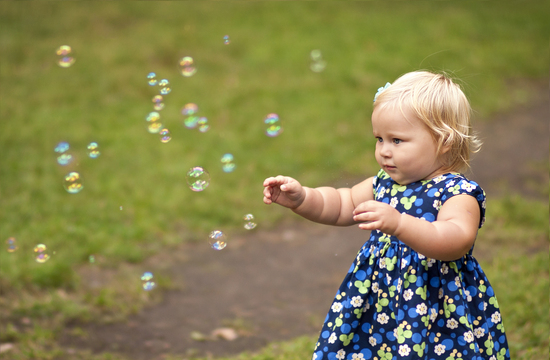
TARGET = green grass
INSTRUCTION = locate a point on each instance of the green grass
(104, 97)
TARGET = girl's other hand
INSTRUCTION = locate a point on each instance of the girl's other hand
(377, 215)
(283, 190)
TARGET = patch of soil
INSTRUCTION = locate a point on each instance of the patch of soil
(276, 285)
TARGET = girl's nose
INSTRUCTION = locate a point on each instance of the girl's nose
(385, 150)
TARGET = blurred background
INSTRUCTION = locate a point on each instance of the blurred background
(317, 65)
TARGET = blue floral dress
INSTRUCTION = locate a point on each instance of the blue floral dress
(395, 303)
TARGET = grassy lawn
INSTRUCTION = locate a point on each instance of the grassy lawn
(136, 202)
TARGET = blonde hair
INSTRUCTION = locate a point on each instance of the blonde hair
(442, 106)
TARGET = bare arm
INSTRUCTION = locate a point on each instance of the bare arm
(325, 205)
(447, 238)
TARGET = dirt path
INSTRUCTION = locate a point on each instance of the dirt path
(278, 285)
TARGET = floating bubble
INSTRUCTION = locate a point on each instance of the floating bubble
(152, 78)
(153, 116)
(154, 125)
(203, 124)
(187, 67)
(198, 179)
(73, 183)
(121, 208)
(190, 112)
(274, 127)
(157, 102)
(40, 254)
(317, 64)
(147, 281)
(165, 135)
(93, 150)
(226, 40)
(249, 223)
(227, 163)
(164, 87)
(91, 259)
(12, 246)
(66, 59)
(217, 240)
(64, 158)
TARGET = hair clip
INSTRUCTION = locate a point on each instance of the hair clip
(380, 91)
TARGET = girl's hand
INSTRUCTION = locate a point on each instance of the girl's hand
(379, 215)
(283, 190)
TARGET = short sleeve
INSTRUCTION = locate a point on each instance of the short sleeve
(459, 185)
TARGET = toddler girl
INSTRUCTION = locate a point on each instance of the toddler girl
(414, 290)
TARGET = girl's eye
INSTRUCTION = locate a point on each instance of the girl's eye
(396, 141)
(379, 139)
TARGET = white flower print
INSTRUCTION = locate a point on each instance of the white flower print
(403, 263)
(421, 257)
(382, 263)
(467, 186)
(372, 341)
(437, 204)
(382, 318)
(314, 357)
(452, 324)
(394, 201)
(495, 317)
(468, 296)
(337, 307)
(493, 358)
(332, 338)
(381, 192)
(483, 205)
(439, 179)
(341, 354)
(431, 262)
(485, 306)
(421, 309)
(479, 332)
(357, 356)
(356, 301)
(404, 350)
(399, 283)
(439, 349)
(444, 268)
(375, 287)
(433, 315)
(408, 294)
(440, 293)
(468, 336)
(450, 183)
(457, 281)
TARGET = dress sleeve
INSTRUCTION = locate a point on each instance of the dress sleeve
(462, 186)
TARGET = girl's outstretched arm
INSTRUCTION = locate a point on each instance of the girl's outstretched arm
(325, 205)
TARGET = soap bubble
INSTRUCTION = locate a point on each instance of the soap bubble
(66, 59)
(72, 182)
(227, 163)
(317, 64)
(147, 281)
(274, 127)
(203, 124)
(93, 151)
(157, 102)
(40, 254)
(226, 40)
(249, 223)
(154, 125)
(64, 158)
(12, 246)
(187, 67)
(91, 259)
(152, 78)
(198, 179)
(164, 87)
(165, 135)
(189, 111)
(217, 240)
